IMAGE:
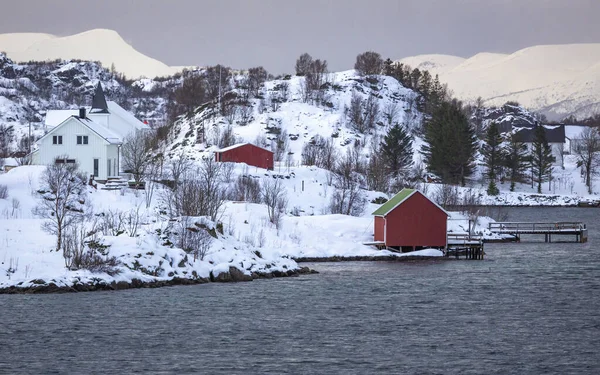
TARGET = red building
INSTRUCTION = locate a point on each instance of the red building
(246, 153)
(410, 221)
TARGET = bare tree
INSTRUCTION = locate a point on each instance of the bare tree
(391, 112)
(369, 63)
(303, 64)
(178, 167)
(256, 77)
(348, 198)
(7, 135)
(274, 196)
(136, 155)
(63, 189)
(362, 114)
(280, 145)
(191, 94)
(587, 150)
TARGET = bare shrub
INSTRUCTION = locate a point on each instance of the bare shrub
(112, 222)
(446, 196)
(280, 145)
(133, 221)
(15, 205)
(3, 192)
(194, 238)
(274, 196)
(200, 192)
(82, 250)
(246, 189)
(320, 152)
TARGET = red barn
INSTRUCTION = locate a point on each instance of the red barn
(246, 153)
(410, 221)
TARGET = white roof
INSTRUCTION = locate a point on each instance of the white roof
(233, 146)
(102, 131)
(125, 115)
(56, 116)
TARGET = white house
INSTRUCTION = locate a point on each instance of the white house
(90, 136)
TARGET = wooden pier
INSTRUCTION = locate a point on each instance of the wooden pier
(577, 229)
(465, 244)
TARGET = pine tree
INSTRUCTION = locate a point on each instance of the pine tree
(492, 156)
(396, 151)
(516, 160)
(388, 67)
(541, 157)
(450, 143)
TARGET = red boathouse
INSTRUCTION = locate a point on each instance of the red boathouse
(410, 221)
(246, 153)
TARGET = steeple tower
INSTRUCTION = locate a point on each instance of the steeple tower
(99, 101)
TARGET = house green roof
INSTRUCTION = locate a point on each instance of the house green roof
(393, 202)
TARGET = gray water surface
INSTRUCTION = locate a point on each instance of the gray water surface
(530, 308)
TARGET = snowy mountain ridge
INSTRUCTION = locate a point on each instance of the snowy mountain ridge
(556, 80)
(105, 46)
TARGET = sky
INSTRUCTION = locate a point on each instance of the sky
(273, 33)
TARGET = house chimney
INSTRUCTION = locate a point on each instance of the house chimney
(82, 112)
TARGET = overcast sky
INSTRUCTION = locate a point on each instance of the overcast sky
(273, 33)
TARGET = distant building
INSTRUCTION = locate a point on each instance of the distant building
(555, 135)
(90, 136)
(411, 221)
(246, 153)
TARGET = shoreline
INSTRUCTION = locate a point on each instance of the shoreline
(368, 258)
(233, 275)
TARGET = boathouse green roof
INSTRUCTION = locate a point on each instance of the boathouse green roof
(397, 199)
(393, 202)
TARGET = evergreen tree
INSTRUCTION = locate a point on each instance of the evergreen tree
(396, 151)
(541, 157)
(492, 157)
(516, 160)
(388, 67)
(450, 143)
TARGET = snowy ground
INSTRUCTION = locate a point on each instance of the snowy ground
(249, 241)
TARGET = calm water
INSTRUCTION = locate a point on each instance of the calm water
(527, 309)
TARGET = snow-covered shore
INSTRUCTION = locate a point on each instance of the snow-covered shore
(249, 246)
(246, 247)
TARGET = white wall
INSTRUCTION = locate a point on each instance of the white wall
(84, 154)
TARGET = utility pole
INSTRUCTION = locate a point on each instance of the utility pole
(219, 89)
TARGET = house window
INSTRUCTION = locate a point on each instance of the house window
(59, 161)
(82, 139)
(57, 139)
(70, 161)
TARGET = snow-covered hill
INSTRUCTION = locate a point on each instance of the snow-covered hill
(302, 121)
(105, 46)
(557, 80)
